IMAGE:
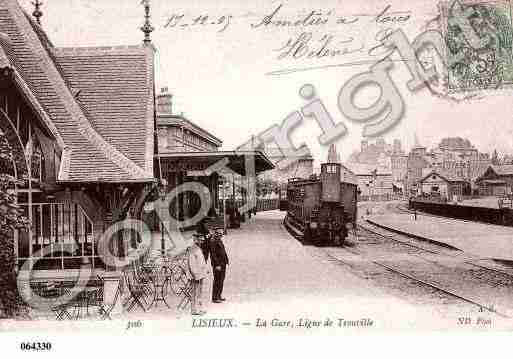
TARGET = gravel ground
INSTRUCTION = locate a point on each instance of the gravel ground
(449, 269)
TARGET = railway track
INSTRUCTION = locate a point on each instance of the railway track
(421, 282)
(446, 253)
(484, 275)
(391, 238)
(443, 270)
(440, 289)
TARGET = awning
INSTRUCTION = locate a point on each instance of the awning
(198, 162)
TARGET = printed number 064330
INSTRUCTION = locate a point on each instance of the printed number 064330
(35, 346)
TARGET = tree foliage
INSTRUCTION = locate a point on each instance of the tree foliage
(11, 219)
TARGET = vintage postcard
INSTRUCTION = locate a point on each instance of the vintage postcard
(327, 167)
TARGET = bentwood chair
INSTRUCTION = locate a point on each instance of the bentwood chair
(137, 292)
(52, 292)
(181, 281)
(104, 309)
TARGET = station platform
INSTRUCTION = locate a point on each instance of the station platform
(478, 239)
(273, 278)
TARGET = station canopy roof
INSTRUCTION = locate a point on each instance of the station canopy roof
(494, 182)
(197, 162)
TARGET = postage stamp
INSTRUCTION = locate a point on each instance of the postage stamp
(478, 37)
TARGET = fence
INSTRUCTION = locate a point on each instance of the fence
(267, 204)
(381, 198)
(262, 205)
(500, 216)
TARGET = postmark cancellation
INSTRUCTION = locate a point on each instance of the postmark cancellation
(478, 37)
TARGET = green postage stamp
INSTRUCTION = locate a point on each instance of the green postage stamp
(479, 40)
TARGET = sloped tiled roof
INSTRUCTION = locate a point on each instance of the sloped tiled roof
(276, 154)
(4, 50)
(497, 170)
(92, 152)
(114, 86)
(364, 169)
(503, 170)
(447, 175)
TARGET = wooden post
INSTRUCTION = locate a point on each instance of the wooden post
(176, 199)
(242, 199)
(180, 213)
(224, 208)
(29, 167)
(233, 189)
(16, 232)
(162, 240)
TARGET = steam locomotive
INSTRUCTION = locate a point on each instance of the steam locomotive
(321, 209)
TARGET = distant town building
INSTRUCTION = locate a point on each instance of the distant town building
(399, 168)
(416, 163)
(373, 182)
(496, 181)
(444, 185)
(299, 167)
(459, 157)
(456, 157)
(385, 156)
(507, 159)
(370, 152)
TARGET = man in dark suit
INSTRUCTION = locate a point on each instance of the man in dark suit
(202, 230)
(219, 261)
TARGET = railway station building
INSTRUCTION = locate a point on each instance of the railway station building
(91, 143)
(186, 151)
(81, 124)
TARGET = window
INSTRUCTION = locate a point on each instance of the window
(62, 228)
(331, 168)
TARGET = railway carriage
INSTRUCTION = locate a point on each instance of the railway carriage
(321, 209)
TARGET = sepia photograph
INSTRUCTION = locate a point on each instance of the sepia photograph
(238, 169)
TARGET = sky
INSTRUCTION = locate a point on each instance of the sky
(220, 68)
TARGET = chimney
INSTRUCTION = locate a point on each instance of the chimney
(397, 146)
(380, 144)
(364, 145)
(165, 102)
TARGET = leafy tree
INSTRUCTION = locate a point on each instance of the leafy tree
(11, 218)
